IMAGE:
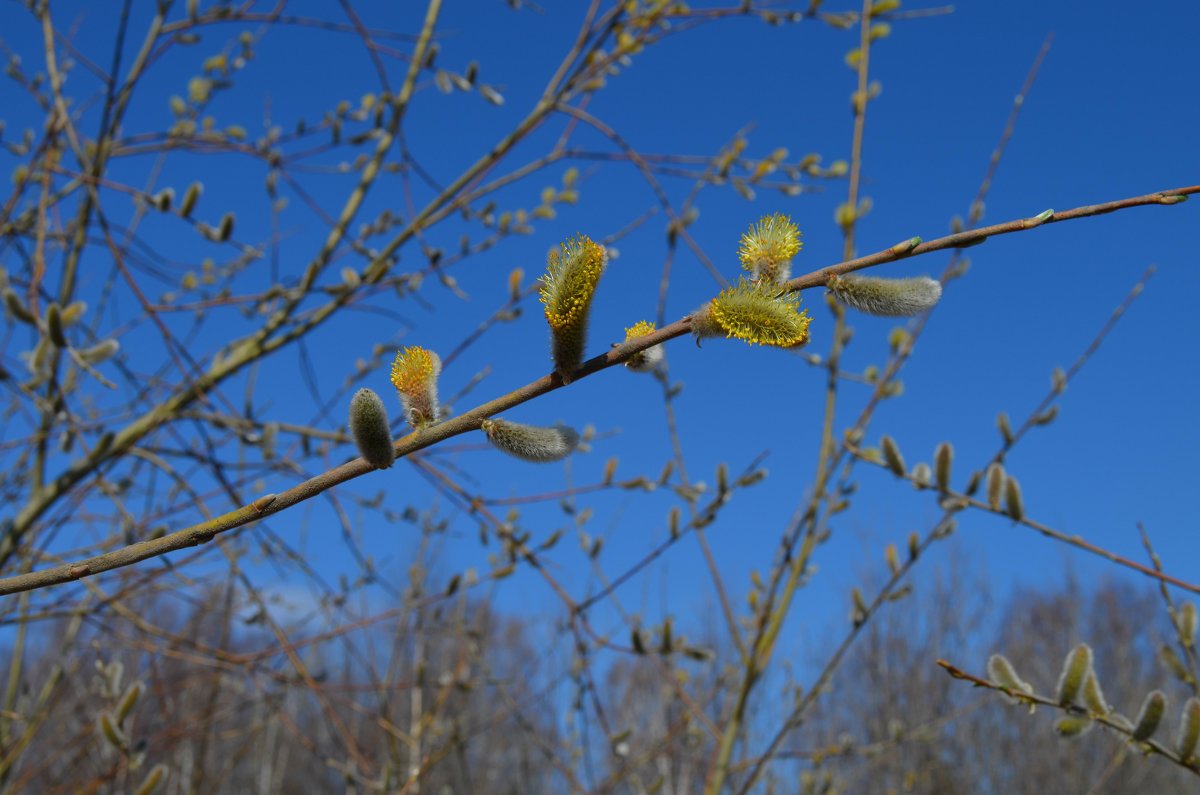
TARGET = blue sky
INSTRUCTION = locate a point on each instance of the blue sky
(1113, 114)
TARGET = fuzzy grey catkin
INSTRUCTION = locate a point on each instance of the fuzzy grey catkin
(369, 425)
(886, 297)
(531, 442)
(1150, 715)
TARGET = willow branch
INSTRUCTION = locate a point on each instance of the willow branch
(469, 421)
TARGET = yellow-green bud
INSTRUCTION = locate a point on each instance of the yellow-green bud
(1001, 671)
(1150, 715)
(152, 781)
(190, 197)
(1076, 668)
(943, 461)
(1189, 730)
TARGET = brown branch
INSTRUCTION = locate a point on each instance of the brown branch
(272, 504)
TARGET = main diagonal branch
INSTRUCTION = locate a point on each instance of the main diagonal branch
(469, 421)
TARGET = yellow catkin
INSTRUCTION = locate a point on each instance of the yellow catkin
(755, 314)
(647, 360)
(767, 249)
(572, 273)
(414, 374)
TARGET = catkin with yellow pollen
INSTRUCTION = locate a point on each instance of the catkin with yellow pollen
(643, 361)
(768, 247)
(414, 374)
(572, 273)
(758, 314)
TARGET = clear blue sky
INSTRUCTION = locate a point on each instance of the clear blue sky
(1113, 114)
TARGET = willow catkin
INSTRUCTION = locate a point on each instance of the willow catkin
(414, 374)
(886, 297)
(757, 314)
(1150, 715)
(643, 361)
(1076, 669)
(531, 442)
(369, 426)
(768, 247)
(572, 273)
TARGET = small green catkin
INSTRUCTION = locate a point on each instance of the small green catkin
(1093, 696)
(892, 457)
(153, 780)
(531, 442)
(1189, 730)
(225, 229)
(1150, 715)
(1001, 671)
(128, 701)
(1186, 621)
(1072, 726)
(17, 309)
(1076, 669)
(369, 425)
(995, 485)
(943, 462)
(101, 351)
(886, 297)
(1014, 504)
(112, 733)
(54, 325)
(190, 197)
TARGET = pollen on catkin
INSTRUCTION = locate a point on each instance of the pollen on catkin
(369, 426)
(643, 361)
(572, 273)
(531, 442)
(768, 247)
(886, 297)
(760, 315)
(414, 374)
